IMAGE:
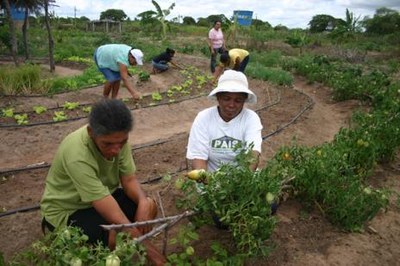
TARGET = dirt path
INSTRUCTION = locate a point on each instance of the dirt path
(300, 239)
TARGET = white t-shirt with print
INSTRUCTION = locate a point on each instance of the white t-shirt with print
(213, 139)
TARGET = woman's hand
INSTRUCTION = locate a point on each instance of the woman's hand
(146, 210)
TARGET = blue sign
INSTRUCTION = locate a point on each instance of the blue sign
(17, 13)
(244, 17)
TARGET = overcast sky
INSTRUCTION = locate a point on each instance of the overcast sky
(290, 13)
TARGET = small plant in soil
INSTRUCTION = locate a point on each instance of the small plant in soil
(8, 112)
(59, 116)
(156, 96)
(70, 105)
(87, 109)
(144, 76)
(39, 109)
(21, 119)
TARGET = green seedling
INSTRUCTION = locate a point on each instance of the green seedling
(87, 109)
(21, 119)
(9, 112)
(59, 116)
(144, 76)
(156, 96)
(70, 105)
(39, 109)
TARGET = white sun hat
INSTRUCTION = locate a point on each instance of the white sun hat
(233, 81)
(138, 55)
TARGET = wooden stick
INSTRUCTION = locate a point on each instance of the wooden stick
(119, 227)
(165, 240)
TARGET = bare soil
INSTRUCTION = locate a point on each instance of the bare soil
(158, 141)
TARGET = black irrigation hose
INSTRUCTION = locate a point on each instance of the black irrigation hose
(294, 119)
(47, 94)
(82, 117)
(141, 146)
(37, 206)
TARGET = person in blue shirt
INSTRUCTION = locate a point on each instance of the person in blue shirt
(113, 61)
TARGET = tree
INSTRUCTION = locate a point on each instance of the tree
(385, 21)
(189, 21)
(351, 23)
(320, 23)
(29, 6)
(160, 15)
(221, 17)
(297, 40)
(280, 27)
(259, 24)
(113, 14)
(46, 4)
(12, 32)
(203, 22)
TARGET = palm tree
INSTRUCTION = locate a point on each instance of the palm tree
(160, 16)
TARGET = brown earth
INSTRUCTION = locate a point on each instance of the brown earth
(158, 141)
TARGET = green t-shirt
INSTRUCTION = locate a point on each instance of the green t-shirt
(79, 175)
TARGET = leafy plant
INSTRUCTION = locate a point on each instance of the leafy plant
(68, 246)
(240, 199)
(144, 76)
(59, 116)
(87, 109)
(21, 119)
(39, 109)
(160, 15)
(8, 112)
(70, 105)
(156, 96)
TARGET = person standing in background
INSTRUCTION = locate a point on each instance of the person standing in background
(216, 42)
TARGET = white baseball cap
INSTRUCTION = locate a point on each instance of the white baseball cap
(233, 81)
(138, 55)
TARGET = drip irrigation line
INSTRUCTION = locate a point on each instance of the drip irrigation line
(47, 94)
(162, 141)
(311, 102)
(141, 146)
(37, 206)
(149, 181)
(82, 117)
(42, 123)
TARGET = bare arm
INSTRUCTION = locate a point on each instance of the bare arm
(123, 70)
(108, 208)
(237, 63)
(256, 157)
(199, 164)
(218, 72)
(175, 64)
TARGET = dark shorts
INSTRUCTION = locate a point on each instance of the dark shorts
(89, 220)
(110, 75)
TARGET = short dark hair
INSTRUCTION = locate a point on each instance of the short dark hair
(216, 21)
(109, 116)
(170, 51)
(224, 58)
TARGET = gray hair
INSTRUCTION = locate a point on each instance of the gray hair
(110, 116)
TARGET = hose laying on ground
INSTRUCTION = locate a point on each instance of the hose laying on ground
(43, 165)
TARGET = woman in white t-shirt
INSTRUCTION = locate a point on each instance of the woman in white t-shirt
(217, 130)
